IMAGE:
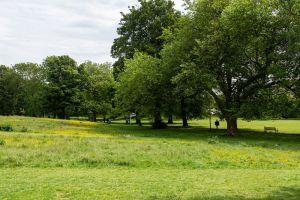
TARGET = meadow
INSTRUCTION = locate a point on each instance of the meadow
(57, 159)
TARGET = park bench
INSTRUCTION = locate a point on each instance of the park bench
(271, 129)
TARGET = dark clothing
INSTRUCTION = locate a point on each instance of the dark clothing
(217, 123)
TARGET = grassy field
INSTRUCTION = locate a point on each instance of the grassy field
(56, 159)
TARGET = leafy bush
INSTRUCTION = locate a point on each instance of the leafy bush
(7, 128)
(2, 142)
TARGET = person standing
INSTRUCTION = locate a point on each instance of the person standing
(217, 124)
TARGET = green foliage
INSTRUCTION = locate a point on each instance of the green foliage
(22, 90)
(236, 49)
(65, 81)
(99, 91)
(243, 54)
(33, 88)
(6, 128)
(186, 97)
(58, 88)
(141, 86)
(2, 142)
(11, 91)
(271, 103)
(141, 29)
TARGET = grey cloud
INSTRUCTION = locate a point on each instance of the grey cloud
(30, 30)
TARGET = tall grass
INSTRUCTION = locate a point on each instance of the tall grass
(56, 159)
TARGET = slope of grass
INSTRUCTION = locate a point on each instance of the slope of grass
(148, 184)
(56, 159)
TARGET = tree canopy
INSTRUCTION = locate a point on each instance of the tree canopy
(99, 89)
(141, 29)
(239, 47)
(141, 87)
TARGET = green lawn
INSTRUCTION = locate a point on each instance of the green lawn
(284, 126)
(55, 159)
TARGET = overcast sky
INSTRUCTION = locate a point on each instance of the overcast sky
(30, 30)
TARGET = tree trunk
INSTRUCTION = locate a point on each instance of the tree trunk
(185, 123)
(158, 123)
(170, 119)
(61, 115)
(184, 114)
(94, 117)
(138, 119)
(232, 129)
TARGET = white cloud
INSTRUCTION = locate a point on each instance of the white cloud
(30, 30)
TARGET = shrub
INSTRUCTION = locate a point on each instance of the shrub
(2, 142)
(7, 128)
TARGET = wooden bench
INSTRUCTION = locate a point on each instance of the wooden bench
(271, 129)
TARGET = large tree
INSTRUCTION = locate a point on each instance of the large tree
(33, 88)
(141, 87)
(186, 96)
(240, 47)
(99, 90)
(11, 91)
(65, 81)
(141, 29)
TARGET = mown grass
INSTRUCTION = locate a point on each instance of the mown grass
(56, 159)
(148, 184)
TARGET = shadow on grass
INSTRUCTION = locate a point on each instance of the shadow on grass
(197, 133)
(291, 193)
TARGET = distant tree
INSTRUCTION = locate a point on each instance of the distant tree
(271, 103)
(141, 30)
(141, 87)
(33, 88)
(11, 91)
(100, 89)
(239, 48)
(3, 72)
(65, 81)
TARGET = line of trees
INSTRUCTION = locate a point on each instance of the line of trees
(58, 88)
(240, 57)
